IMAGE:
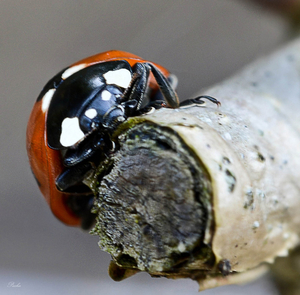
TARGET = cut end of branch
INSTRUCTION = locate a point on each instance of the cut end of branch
(150, 213)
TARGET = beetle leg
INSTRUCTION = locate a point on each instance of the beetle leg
(153, 105)
(87, 148)
(173, 81)
(87, 217)
(138, 86)
(82, 205)
(198, 101)
(130, 107)
(165, 87)
(72, 176)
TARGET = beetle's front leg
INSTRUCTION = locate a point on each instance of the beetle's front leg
(135, 93)
(166, 89)
(198, 101)
(151, 107)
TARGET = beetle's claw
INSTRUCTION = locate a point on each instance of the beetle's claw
(198, 101)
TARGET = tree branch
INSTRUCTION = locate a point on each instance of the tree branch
(206, 192)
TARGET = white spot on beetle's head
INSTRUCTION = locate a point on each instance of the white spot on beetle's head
(47, 99)
(120, 77)
(72, 70)
(91, 113)
(105, 95)
(70, 132)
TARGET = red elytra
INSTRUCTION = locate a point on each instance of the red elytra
(46, 163)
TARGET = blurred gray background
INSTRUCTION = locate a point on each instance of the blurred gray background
(202, 42)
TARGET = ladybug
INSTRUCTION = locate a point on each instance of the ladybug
(70, 127)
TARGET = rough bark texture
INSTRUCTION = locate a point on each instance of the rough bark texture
(204, 192)
(151, 212)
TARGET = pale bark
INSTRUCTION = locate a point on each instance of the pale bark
(233, 171)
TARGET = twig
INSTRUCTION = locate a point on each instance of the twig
(204, 192)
